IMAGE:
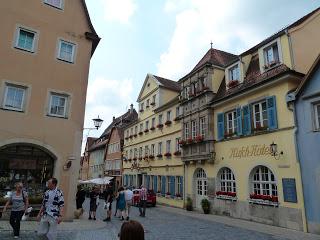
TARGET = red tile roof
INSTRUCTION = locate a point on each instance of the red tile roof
(169, 84)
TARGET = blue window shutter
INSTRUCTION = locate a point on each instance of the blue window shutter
(172, 186)
(272, 112)
(220, 126)
(181, 191)
(246, 130)
(163, 185)
(155, 183)
(239, 121)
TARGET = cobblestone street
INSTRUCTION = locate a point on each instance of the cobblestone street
(165, 223)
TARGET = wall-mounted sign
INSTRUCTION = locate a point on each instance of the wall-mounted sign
(250, 151)
(289, 190)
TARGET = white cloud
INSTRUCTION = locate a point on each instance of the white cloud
(119, 10)
(197, 23)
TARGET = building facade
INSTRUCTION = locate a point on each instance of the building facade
(306, 101)
(43, 84)
(84, 163)
(151, 148)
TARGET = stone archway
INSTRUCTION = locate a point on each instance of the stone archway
(29, 163)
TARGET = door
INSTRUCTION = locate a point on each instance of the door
(201, 186)
(139, 180)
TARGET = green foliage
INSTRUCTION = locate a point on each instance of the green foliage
(205, 204)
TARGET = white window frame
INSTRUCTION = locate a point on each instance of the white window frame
(260, 114)
(168, 184)
(203, 126)
(193, 128)
(317, 116)
(146, 150)
(272, 46)
(147, 125)
(74, 49)
(141, 127)
(147, 103)
(140, 152)
(152, 149)
(154, 99)
(153, 122)
(186, 130)
(23, 100)
(160, 119)
(35, 38)
(169, 115)
(159, 147)
(227, 181)
(65, 106)
(52, 5)
(233, 122)
(264, 186)
(231, 73)
(178, 185)
(177, 144)
(168, 146)
(136, 130)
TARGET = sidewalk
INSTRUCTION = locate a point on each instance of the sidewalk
(233, 222)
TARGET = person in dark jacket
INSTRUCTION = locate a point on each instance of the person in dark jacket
(80, 197)
(94, 200)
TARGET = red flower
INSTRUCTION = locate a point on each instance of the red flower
(182, 142)
(159, 155)
(190, 140)
(167, 154)
(160, 125)
(168, 122)
(199, 138)
(233, 83)
(152, 128)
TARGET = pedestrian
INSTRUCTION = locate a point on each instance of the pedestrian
(80, 197)
(20, 203)
(128, 197)
(94, 200)
(51, 211)
(143, 201)
(131, 230)
(122, 202)
(108, 197)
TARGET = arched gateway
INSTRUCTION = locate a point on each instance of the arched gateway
(28, 163)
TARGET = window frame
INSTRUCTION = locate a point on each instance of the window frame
(231, 73)
(193, 129)
(316, 111)
(202, 126)
(233, 121)
(178, 185)
(54, 6)
(169, 115)
(262, 124)
(168, 146)
(74, 49)
(153, 149)
(23, 101)
(275, 61)
(65, 115)
(178, 144)
(227, 179)
(260, 190)
(29, 30)
(186, 130)
(159, 148)
(153, 122)
(160, 119)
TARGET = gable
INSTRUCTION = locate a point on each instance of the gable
(150, 84)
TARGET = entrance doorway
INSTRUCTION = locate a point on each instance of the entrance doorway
(139, 180)
(201, 186)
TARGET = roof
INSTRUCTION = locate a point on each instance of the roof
(280, 32)
(93, 36)
(306, 79)
(169, 84)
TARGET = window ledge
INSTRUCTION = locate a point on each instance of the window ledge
(264, 202)
(66, 61)
(224, 197)
(56, 116)
(12, 109)
(24, 49)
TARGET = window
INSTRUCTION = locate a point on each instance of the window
(141, 127)
(146, 150)
(147, 103)
(128, 133)
(153, 122)
(168, 146)
(152, 149)
(227, 180)
(260, 115)
(140, 152)
(54, 3)
(25, 39)
(14, 97)
(141, 107)
(131, 130)
(177, 112)
(147, 125)
(177, 145)
(66, 51)
(136, 130)
(58, 105)
(263, 182)
(179, 185)
(186, 130)
(234, 73)
(317, 116)
(169, 116)
(231, 118)
(203, 126)
(160, 148)
(160, 119)
(130, 156)
(271, 55)
(193, 129)
(168, 183)
(154, 99)
(135, 153)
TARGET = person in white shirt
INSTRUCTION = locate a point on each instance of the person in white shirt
(128, 196)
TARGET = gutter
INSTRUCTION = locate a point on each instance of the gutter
(291, 50)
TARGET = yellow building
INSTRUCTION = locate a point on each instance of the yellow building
(43, 84)
(255, 173)
(151, 147)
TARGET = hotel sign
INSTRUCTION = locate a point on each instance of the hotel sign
(250, 151)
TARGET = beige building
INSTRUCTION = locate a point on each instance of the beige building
(43, 82)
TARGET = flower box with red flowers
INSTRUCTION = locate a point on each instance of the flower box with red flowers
(147, 130)
(264, 199)
(233, 83)
(199, 138)
(159, 155)
(160, 125)
(182, 142)
(152, 128)
(189, 140)
(226, 195)
(134, 159)
(151, 156)
(141, 110)
(140, 158)
(230, 134)
(140, 133)
(177, 153)
(167, 154)
(259, 128)
(178, 195)
(177, 119)
(135, 135)
(168, 195)
(153, 103)
(167, 122)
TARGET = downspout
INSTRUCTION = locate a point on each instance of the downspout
(184, 185)
(291, 50)
(293, 109)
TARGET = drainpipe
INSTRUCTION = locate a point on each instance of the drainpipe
(184, 185)
(291, 49)
(293, 109)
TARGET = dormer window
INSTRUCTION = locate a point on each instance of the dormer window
(234, 73)
(271, 55)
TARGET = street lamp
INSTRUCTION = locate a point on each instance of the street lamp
(97, 122)
(274, 151)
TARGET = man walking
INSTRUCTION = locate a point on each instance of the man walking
(143, 201)
(51, 211)
(108, 197)
(128, 196)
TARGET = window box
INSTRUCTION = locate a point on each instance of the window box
(226, 195)
(177, 119)
(140, 133)
(205, 88)
(259, 128)
(151, 156)
(233, 83)
(140, 158)
(145, 158)
(178, 196)
(177, 153)
(131, 136)
(152, 128)
(134, 159)
(126, 138)
(199, 138)
(182, 142)
(153, 103)
(189, 140)
(167, 123)
(160, 126)
(167, 154)
(147, 106)
(147, 130)
(141, 110)
(159, 155)
(135, 135)
(129, 159)
(125, 159)
(230, 134)
(159, 194)
(264, 199)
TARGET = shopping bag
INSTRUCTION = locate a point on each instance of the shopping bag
(26, 214)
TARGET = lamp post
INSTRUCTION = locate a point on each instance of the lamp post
(97, 122)
(274, 151)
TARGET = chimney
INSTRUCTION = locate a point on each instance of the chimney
(113, 119)
(131, 108)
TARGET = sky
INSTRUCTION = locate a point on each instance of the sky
(167, 38)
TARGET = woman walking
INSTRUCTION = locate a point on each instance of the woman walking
(20, 203)
(94, 200)
(122, 202)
